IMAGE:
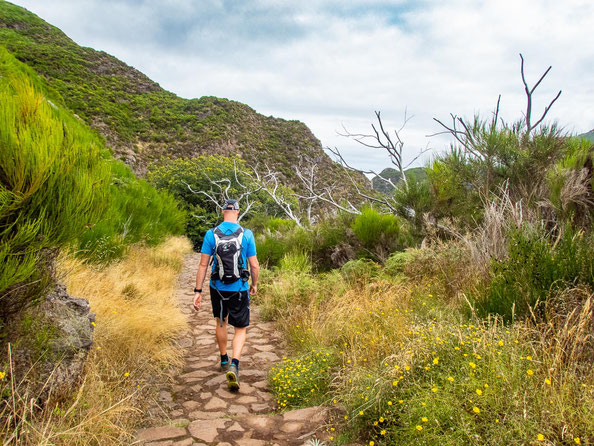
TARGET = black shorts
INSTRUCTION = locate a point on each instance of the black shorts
(236, 305)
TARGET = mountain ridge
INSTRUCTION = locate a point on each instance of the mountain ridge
(140, 121)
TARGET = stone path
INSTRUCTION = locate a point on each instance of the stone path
(198, 408)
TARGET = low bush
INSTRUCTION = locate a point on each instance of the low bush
(303, 381)
(537, 268)
(137, 212)
(379, 234)
(360, 271)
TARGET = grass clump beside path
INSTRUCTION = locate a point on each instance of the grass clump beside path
(137, 321)
(412, 367)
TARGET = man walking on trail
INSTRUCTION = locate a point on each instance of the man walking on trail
(233, 247)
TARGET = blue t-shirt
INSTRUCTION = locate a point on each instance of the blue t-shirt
(248, 250)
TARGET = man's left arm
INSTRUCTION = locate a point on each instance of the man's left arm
(254, 273)
(253, 261)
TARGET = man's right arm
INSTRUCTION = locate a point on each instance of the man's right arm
(201, 273)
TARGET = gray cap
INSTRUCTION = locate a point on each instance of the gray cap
(231, 205)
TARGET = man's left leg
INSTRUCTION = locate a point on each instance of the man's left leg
(239, 317)
(238, 341)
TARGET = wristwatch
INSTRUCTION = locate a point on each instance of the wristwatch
(196, 290)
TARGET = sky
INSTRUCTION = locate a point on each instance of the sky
(332, 63)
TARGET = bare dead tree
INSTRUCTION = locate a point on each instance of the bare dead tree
(269, 182)
(464, 132)
(219, 192)
(383, 199)
(391, 142)
(307, 172)
(529, 93)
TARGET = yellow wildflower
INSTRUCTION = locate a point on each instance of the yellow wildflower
(424, 419)
(530, 372)
(476, 409)
(540, 437)
(419, 428)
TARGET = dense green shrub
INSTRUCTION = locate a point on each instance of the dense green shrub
(571, 184)
(380, 234)
(414, 199)
(53, 178)
(270, 249)
(137, 212)
(55, 189)
(396, 263)
(537, 267)
(360, 271)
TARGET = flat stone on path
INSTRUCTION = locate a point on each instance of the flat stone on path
(201, 415)
(250, 442)
(315, 414)
(237, 409)
(235, 427)
(161, 433)
(247, 399)
(267, 356)
(265, 347)
(206, 430)
(215, 403)
(292, 427)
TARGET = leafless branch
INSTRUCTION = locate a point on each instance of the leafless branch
(529, 92)
(221, 192)
(269, 182)
(381, 138)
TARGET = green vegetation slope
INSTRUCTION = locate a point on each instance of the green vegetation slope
(141, 121)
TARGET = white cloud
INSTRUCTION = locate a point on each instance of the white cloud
(333, 62)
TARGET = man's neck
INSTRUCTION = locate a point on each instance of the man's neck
(229, 220)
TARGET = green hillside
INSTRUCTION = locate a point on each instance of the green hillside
(394, 175)
(589, 135)
(141, 121)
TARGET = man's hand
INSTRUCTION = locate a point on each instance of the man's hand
(197, 301)
(253, 289)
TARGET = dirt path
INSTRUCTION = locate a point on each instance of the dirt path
(199, 408)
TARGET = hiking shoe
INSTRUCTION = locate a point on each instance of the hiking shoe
(233, 378)
(225, 366)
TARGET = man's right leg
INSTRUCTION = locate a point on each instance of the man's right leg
(221, 334)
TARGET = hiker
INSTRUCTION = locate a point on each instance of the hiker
(232, 247)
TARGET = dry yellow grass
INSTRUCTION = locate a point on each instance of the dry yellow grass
(137, 318)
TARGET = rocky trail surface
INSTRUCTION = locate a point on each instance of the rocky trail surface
(199, 410)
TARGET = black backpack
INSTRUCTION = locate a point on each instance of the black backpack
(229, 267)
